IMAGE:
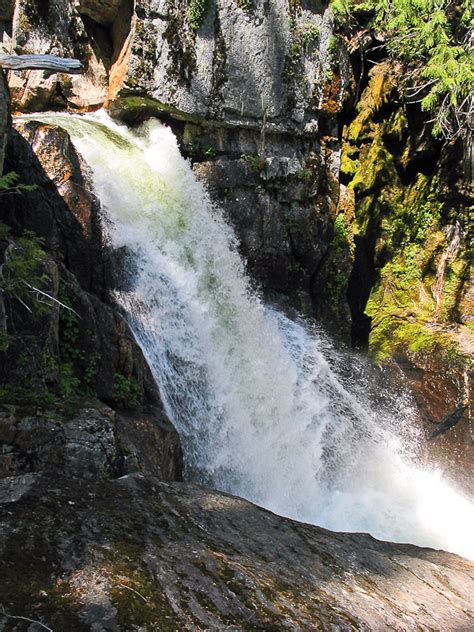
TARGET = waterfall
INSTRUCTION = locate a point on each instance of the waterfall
(261, 406)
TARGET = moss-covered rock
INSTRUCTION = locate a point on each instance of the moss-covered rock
(410, 279)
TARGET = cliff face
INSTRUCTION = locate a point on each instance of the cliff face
(62, 343)
(252, 90)
(410, 287)
(264, 97)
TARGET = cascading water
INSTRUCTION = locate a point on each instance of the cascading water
(260, 411)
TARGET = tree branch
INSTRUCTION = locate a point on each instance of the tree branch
(41, 62)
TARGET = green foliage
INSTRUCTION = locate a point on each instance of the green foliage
(424, 216)
(127, 391)
(246, 5)
(22, 275)
(9, 184)
(305, 175)
(69, 328)
(338, 272)
(197, 151)
(255, 162)
(431, 39)
(22, 395)
(68, 384)
(340, 236)
(90, 373)
(197, 10)
(309, 33)
(340, 9)
(333, 47)
(210, 152)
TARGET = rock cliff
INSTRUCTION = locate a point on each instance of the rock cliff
(322, 174)
(252, 90)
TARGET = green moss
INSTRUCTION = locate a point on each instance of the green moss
(349, 165)
(338, 267)
(402, 308)
(400, 223)
(396, 125)
(375, 165)
(136, 108)
(135, 593)
(373, 98)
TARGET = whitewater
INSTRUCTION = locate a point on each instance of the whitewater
(261, 407)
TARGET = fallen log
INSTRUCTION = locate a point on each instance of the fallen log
(41, 62)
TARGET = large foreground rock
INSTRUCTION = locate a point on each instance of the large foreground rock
(92, 539)
(139, 554)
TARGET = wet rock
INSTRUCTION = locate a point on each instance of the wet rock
(57, 28)
(4, 118)
(88, 442)
(12, 488)
(137, 553)
(243, 82)
(62, 209)
(83, 347)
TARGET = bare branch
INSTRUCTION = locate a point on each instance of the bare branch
(51, 298)
(11, 616)
(134, 591)
(41, 62)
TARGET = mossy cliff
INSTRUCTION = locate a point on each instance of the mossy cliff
(404, 224)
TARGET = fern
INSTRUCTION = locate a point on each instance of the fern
(9, 184)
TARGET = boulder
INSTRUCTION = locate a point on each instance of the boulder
(137, 553)
(86, 441)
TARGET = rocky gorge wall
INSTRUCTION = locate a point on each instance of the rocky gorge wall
(317, 184)
(266, 98)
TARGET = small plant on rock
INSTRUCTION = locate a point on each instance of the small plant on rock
(255, 162)
(246, 5)
(127, 391)
(197, 10)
